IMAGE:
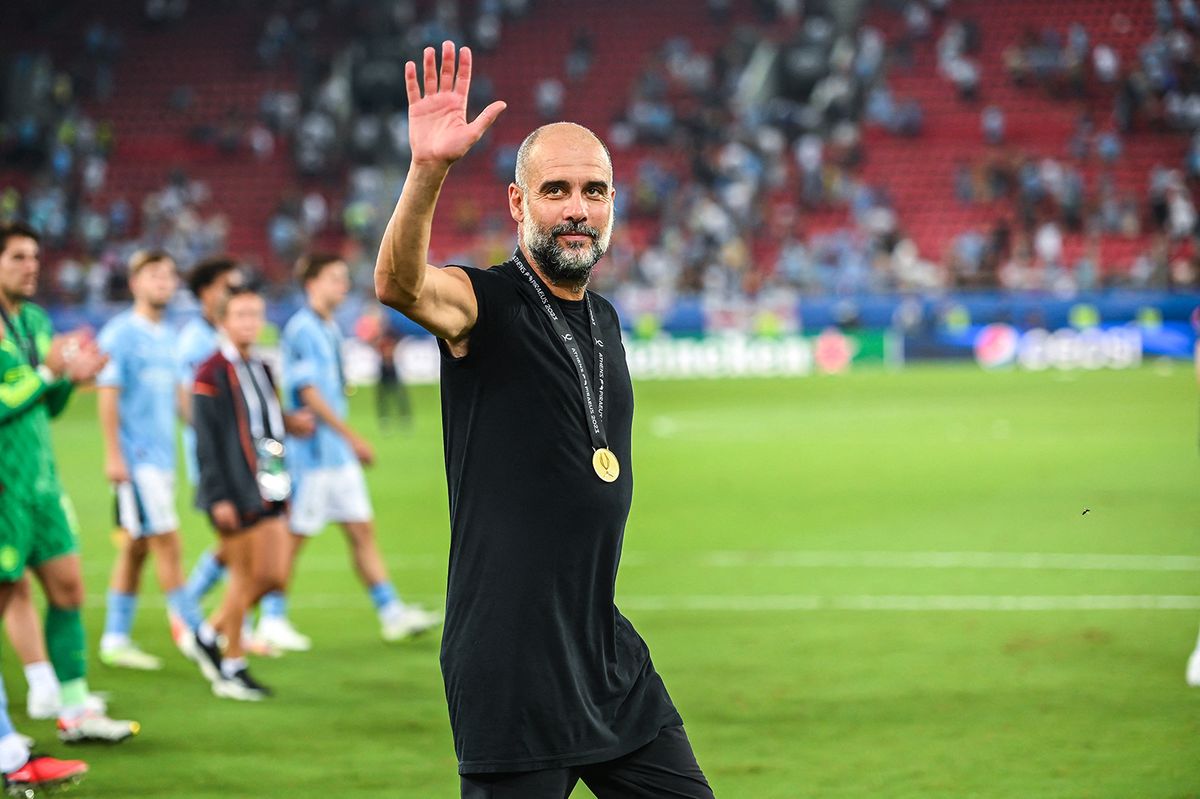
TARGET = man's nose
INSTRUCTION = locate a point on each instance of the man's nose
(575, 208)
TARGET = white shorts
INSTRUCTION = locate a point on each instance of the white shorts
(146, 504)
(331, 494)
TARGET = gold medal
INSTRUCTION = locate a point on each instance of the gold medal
(606, 465)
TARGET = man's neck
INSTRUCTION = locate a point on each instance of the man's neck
(320, 310)
(148, 311)
(563, 292)
(11, 305)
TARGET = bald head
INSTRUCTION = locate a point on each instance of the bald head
(560, 137)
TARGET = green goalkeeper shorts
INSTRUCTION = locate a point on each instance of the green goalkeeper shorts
(34, 528)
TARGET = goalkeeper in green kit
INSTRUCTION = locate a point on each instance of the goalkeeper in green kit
(37, 526)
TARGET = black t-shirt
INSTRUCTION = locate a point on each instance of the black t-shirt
(541, 669)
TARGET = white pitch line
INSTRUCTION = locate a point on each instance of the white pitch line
(806, 602)
(1064, 561)
(916, 602)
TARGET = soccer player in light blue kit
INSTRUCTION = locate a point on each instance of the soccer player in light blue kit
(138, 405)
(328, 482)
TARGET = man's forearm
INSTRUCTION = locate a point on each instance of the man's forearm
(21, 389)
(110, 421)
(404, 251)
(184, 402)
(312, 399)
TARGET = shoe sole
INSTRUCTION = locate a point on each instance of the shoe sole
(223, 690)
(30, 790)
(95, 740)
(409, 634)
(289, 648)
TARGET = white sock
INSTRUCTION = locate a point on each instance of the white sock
(114, 641)
(13, 753)
(41, 678)
(231, 666)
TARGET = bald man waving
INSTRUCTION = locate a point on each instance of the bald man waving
(547, 683)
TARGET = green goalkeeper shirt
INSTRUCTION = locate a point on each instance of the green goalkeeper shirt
(27, 403)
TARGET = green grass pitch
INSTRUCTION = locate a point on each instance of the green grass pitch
(825, 570)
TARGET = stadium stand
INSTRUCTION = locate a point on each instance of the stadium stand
(761, 144)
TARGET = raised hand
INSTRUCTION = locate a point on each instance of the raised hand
(438, 131)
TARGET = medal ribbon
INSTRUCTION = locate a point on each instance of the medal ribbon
(593, 408)
(252, 376)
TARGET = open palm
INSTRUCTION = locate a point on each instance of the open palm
(438, 130)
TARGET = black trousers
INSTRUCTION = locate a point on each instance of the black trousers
(665, 767)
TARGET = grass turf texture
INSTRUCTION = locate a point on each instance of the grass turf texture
(779, 702)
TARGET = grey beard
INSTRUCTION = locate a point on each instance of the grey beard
(556, 262)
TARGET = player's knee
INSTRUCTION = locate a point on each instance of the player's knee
(167, 545)
(66, 594)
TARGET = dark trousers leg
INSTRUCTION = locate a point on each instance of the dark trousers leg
(665, 767)
(549, 784)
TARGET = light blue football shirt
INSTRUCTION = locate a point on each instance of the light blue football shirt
(142, 367)
(198, 340)
(311, 356)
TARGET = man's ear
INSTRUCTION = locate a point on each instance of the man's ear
(516, 207)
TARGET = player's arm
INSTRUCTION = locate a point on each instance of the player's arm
(108, 406)
(188, 363)
(110, 383)
(21, 389)
(440, 300)
(310, 396)
(58, 388)
(183, 401)
(70, 359)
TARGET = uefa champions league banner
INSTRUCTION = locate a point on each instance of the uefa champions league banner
(668, 358)
(1000, 346)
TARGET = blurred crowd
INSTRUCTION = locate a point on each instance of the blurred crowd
(747, 159)
(64, 153)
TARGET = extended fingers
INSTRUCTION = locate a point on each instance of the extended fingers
(431, 75)
(486, 117)
(447, 83)
(445, 79)
(463, 84)
(410, 82)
